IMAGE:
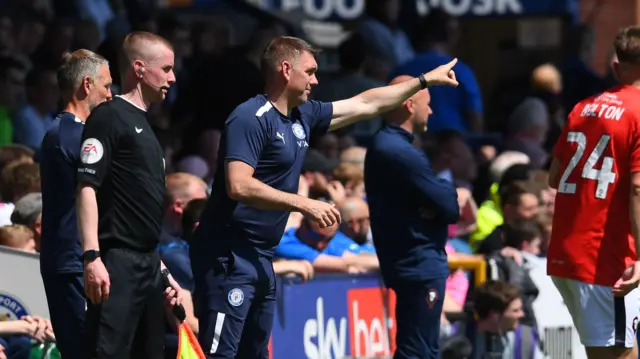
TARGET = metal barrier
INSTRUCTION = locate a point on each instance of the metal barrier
(477, 265)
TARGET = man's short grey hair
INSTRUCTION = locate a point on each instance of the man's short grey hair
(27, 209)
(532, 112)
(76, 66)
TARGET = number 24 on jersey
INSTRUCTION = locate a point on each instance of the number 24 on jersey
(604, 176)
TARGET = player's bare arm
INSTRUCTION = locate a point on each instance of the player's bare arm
(376, 101)
(365, 261)
(635, 211)
(554, 173)
(243, 187)
(631, 276)
(330, 264)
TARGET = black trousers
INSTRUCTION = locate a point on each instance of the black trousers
(65, 298)
(130, 323)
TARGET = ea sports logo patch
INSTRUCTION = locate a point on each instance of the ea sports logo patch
(236, 297)
(432, 297)
(92, 151)
(298, 131)
(11, 308)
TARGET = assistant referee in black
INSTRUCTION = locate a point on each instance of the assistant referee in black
(121, 181)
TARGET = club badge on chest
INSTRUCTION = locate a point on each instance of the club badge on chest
(301, 136)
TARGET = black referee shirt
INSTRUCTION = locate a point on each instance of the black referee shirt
(122, 159)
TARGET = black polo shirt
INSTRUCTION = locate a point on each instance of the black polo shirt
(122, 159)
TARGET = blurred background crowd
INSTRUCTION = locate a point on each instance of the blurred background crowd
(491, 137)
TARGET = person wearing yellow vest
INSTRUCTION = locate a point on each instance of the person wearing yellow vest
(490, 211)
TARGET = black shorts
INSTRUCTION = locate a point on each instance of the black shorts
(130, 324)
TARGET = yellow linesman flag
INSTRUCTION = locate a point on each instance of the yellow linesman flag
(188, 346)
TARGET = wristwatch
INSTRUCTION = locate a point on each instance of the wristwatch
(90, 256)
(423, 82)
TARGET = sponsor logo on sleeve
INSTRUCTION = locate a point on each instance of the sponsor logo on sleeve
(92, 151)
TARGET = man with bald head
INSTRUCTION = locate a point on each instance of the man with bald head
(354, 155)
(182, 188)
(410, 214)
(355, 221)
(547, 89)
(121, 186)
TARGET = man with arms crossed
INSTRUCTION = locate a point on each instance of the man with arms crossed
(262, 150)
(85, 82)
(410, 215)
(593, 257)
(121, 186)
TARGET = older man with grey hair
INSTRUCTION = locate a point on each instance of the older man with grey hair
(85, 82)
(527, 131)
(28, 212)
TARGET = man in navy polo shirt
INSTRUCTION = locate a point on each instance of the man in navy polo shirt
(410, 214)
(261, 154)
(84, 81)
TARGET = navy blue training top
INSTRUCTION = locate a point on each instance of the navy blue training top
(273, 144)
(411, 209)
(60, 249)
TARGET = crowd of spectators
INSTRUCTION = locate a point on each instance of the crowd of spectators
(506, 205)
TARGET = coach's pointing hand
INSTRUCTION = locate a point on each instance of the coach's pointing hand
(443, 75)
(96, 281)
(323, 213)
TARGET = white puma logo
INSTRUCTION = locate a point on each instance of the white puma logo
(281, 136)
(138, 130)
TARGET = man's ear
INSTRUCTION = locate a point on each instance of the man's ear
(178, 206)
(287, 68)
(409, 105)
(86, 85)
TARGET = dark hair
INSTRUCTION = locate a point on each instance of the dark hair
(494, 296)
(520, 232)
(457, 347)
(627, 45)
(283, 48)
(10, 153)
(18, 179)
(510, 194)
(191, 215)
(517, 172)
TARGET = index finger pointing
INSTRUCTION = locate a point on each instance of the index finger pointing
(452, 63)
